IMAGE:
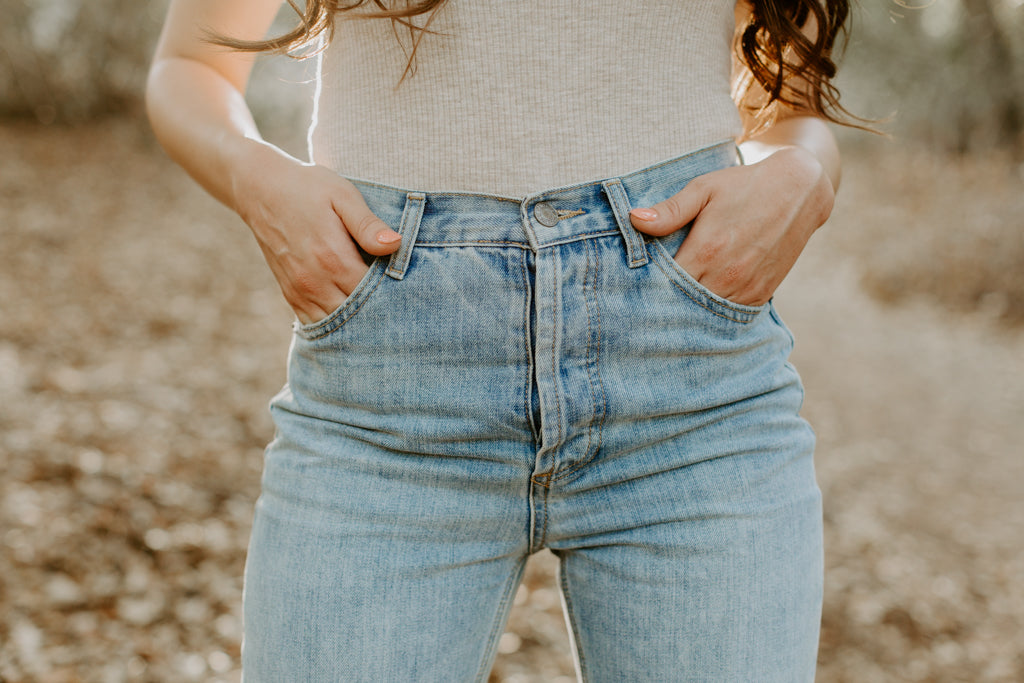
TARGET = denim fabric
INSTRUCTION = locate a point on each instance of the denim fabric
(499, 386)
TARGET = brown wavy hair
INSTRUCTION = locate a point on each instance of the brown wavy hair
(786, 49)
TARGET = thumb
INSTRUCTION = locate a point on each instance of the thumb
(369, 231)
(673, 213)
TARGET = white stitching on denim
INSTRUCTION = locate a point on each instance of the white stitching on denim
(634, 245)
(358, 297)
(693, 297)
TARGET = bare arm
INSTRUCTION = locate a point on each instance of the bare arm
(304, 217)
(195, 93)
(751, 222)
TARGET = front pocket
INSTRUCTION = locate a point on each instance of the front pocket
(695, 291)
(368, 284)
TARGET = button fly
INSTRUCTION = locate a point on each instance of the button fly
(545, 214)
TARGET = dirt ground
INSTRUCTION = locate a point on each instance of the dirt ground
(141, 337)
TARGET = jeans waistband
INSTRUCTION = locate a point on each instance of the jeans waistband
(543, 218)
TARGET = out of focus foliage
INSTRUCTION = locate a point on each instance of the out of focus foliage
(68, 61)
(71, 60)
(950, 72)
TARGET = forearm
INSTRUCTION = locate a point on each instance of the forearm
(202, 121)
(808, 133)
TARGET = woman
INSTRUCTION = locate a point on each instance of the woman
(504, 342)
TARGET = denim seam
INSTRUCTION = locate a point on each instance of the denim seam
(332, 324)
(594, 419)
(550, 193)
(615, 191)
(490, 650)
(563, 575)
(539, 509)
(778, 321)
(576, 238)
(590, 381)
(544, 528)
(554, 374)
(557, 190)
(527, 349)
(705, 306)
(476, 243)
(369, 183)
(678, 159)
(408, 227)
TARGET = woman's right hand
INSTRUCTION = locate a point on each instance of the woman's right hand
(307, 220)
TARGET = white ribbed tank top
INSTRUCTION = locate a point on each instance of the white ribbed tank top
(514, 96)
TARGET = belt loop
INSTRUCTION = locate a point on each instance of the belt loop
(636, 252)
(410, 225)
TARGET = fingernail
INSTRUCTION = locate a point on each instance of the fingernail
(388, 237)
(645, 214)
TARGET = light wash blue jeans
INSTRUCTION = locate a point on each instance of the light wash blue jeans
(531, 373)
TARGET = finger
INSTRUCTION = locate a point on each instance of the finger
(370, 232)
(310, 314)
(673, 213)
(352, 269)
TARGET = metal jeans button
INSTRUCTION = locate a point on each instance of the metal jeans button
(545, 214)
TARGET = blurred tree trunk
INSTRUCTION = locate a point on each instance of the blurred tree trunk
(997, 71)
(951, 72)
(72, 59)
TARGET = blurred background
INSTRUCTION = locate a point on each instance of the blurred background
(141, 336)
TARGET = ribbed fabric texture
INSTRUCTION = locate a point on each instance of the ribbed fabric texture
(514, 96)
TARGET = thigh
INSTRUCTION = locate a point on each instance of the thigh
(714, 590)
(696, 558)
(691, 542)
(396, 571)
(394, 516)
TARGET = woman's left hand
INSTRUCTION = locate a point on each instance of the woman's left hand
(750, 223)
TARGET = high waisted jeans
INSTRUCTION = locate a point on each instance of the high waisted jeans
(525, 374)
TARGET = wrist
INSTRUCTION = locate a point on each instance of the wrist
(804, 178)
(807, 167)
(249, 163)
(808, 133)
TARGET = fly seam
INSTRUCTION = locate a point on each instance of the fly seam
(542, 479)
(597, 364)
(544, 527)
(593, 399)
(554, 335)
(527, 408)
(599, 421)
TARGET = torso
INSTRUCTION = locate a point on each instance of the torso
(510, 97)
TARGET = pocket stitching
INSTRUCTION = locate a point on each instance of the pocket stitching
(348, 308)
(748, 313)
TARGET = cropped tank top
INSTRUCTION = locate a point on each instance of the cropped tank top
(513, 96)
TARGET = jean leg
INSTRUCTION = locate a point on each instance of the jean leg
(406, 577)
(691, 538)
(394, 518)
(706, 571)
